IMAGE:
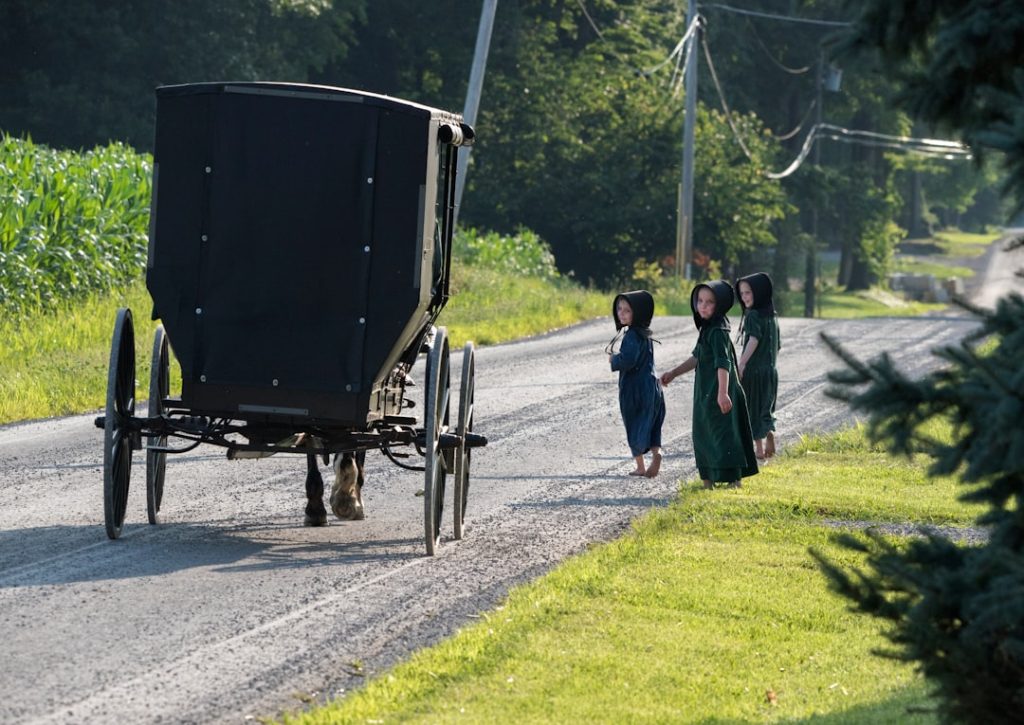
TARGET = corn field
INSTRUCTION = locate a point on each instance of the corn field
(70, 222)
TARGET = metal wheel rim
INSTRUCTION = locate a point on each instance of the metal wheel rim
(435, 423)
(117, 443)
(159, 388)
(464, 453)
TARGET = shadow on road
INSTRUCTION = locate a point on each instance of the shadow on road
(86, 555)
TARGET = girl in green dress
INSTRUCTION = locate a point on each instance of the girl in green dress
(722, 443)
(759, 340)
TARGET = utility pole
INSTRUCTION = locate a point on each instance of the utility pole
(684, 226)
(810, 276)
(476, 82)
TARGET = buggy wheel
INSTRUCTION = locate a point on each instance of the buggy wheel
(463, 452)
(117, 438)
(438, 394)
(159, 388)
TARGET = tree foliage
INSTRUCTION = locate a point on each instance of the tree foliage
(961, 64)
(957, 611)
(83, 73)
(579, 139)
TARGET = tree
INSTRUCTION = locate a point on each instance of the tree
(955, 610)
(585, 148)
(83, 73)
(961, 65)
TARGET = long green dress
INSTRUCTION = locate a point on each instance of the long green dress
(722, 443)
(761, 377)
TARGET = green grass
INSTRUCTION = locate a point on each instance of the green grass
(709, 611)
(55, 362)
(964, 244)
(838, 304)
(489, 306)
(910, 264)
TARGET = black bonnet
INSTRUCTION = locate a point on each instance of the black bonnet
(724, 299)
(761, 285)
(642, 304)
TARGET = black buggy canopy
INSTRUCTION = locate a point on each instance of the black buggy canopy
(299, 243)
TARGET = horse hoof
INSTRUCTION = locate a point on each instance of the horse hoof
(346, 507)
(315, 519)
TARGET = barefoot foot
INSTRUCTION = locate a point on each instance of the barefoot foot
(652, 470)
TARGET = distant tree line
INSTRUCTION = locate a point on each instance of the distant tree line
(580, 124)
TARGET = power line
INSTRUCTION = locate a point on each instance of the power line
(721, 96)
(930, 146)
(778, 64)
(590, 19)
(790, 134)
(787, 18)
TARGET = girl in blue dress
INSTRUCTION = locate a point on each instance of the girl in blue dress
(641, 402)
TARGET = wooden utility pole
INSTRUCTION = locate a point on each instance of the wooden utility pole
(810, 276)
(476, 82)
(684, 226)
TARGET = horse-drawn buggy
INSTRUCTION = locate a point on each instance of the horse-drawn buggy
(299, 256)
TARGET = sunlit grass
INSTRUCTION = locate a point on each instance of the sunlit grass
(909, 264)
(837, 304)
(710, 610)
(965, 244)
(489, 306)
(56, 362)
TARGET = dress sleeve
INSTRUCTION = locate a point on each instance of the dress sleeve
(720, 345)
(628, 356)
(753, 325)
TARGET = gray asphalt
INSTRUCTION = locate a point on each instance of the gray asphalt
(231, 610)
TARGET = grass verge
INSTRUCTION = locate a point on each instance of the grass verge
(490, 306)
(839, 304)
(56, 362)
(708, 611)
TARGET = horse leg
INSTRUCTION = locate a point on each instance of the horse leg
(346, 493)
(316, 514)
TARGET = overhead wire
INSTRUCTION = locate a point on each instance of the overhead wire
(681, 57)
(773, 16)
(778, 64)
(721, 97)
(790, 134)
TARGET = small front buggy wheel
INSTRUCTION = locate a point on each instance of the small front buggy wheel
(159, 388)
(435, 423)
(117, 436)
(463, 453)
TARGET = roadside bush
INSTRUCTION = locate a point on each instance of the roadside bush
(523, 254)
(70, 223)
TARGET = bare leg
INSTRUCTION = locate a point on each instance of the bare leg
(655, 466)
(641, 469)
(759, 449)
(769, 444)
(708, 484)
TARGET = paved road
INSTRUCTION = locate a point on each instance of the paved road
(232, 610)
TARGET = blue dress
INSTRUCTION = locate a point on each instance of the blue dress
(641, 402)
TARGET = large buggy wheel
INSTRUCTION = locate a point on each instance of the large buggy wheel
(435, 423)
(159, 388)
(117, 438)
(464, 452)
